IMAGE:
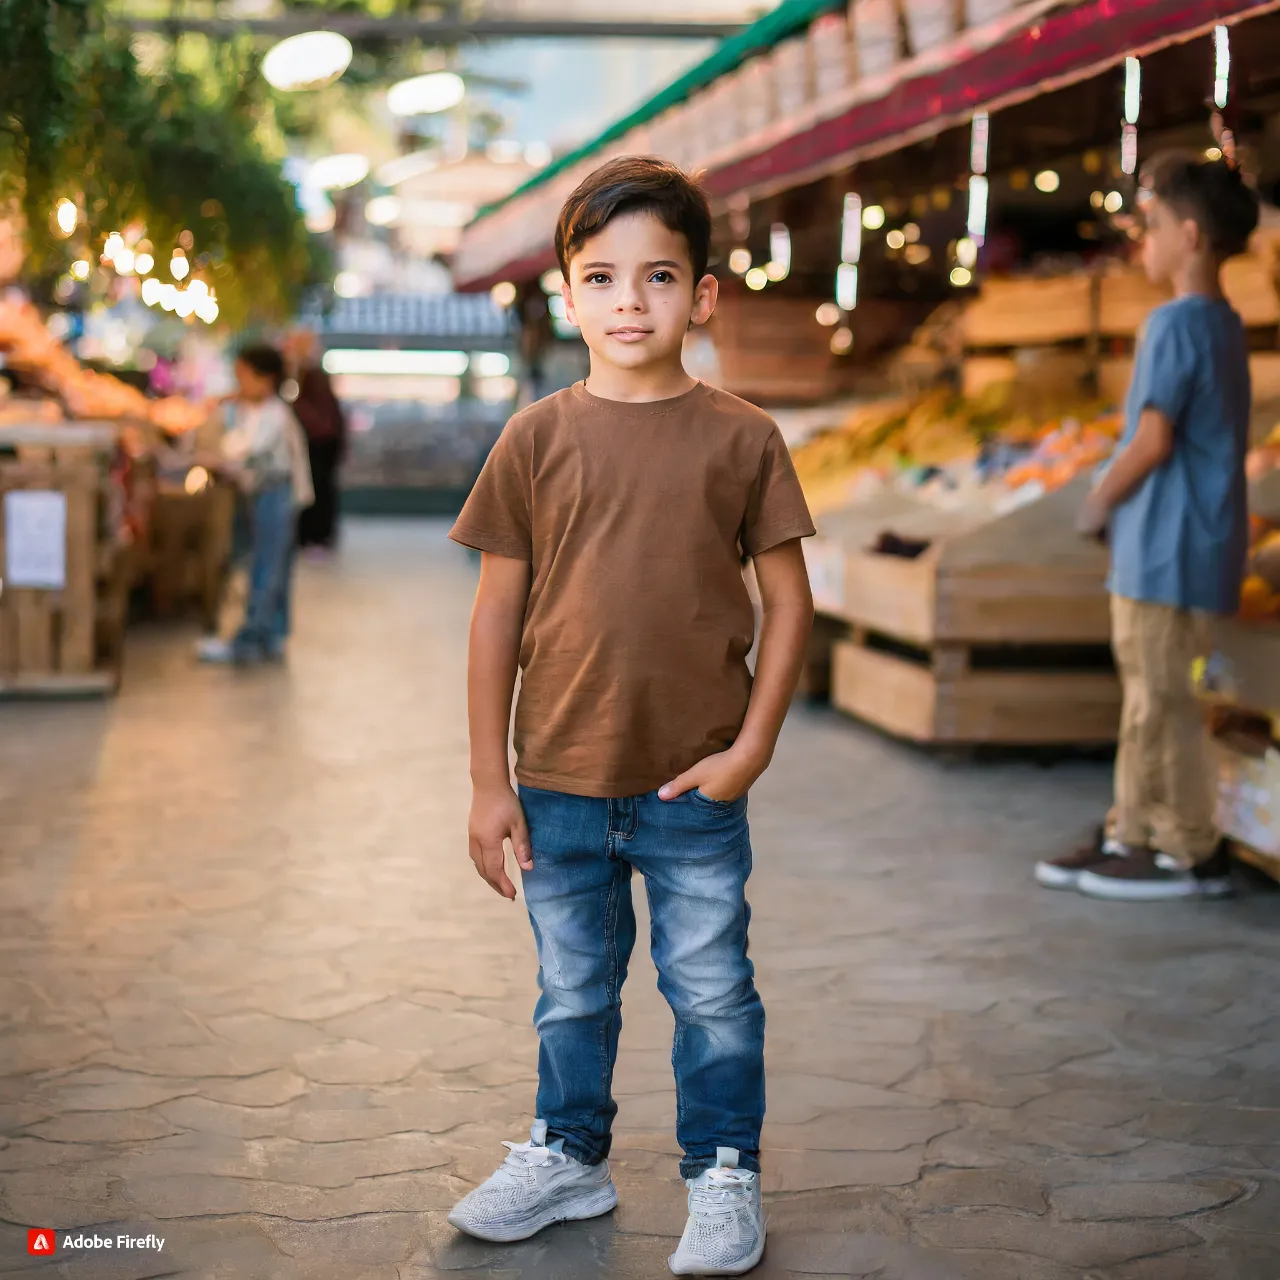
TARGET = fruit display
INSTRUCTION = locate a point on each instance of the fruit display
(29, 347)
(982, 435)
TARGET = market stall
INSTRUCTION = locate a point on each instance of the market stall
(1239, 681)
(923, 235)
(98, 490)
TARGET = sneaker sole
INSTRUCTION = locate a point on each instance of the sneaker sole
(1051, 877)
(572, 1208)
(749, 1263)
(1107, 889)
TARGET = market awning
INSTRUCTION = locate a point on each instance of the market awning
(1037, 48)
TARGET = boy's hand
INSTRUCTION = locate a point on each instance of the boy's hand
(724, 776)
(1093, 517)
(496, 816)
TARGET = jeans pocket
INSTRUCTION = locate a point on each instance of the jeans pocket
(722, 805)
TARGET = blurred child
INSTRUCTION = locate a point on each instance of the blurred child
(265, 453)
(1174, 503)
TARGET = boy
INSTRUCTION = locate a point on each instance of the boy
(1176, 502)
(611, 518)
(264, 450)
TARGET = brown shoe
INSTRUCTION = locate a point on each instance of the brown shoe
(1065, 872)
(1151, 876)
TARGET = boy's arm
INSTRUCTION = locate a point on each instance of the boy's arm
(493, 660)
(1150, 448)
(784, 637)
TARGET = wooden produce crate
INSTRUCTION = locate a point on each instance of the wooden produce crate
(1030, 312)
(190, 548)
(998, 633)
(60, 612)
(1125, 299)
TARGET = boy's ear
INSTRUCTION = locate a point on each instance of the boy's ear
(570, 314)
(705, 296)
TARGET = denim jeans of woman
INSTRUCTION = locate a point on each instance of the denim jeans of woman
(695, 856)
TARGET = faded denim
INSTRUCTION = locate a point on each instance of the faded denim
(695, 857)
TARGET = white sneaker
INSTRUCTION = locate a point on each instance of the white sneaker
(534, 1186)
(725, 1232)
(215, 649)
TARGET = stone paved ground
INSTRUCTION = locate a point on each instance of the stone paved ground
(253, 998)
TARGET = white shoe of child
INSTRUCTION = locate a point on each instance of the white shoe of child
(216, 650)
(533, 1187)
(725, 1232)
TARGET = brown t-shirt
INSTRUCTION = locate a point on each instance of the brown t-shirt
(636, 634)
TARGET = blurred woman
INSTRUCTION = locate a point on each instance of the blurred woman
(322, 419)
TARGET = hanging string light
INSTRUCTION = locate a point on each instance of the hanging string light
(1221, 66)
(1132, 105)
(1223, 134)
(979, 153)
(850, 252)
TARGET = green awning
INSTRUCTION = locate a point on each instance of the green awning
(786, 20)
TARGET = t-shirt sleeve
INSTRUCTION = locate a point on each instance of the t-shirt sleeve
(1166, 369)
(498, 516)
(776, 509)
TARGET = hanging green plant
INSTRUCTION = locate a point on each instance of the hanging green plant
(173, 151)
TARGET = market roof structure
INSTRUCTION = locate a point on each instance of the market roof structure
(1034, 48)
(790, 17)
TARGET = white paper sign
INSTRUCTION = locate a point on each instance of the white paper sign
(35, 539)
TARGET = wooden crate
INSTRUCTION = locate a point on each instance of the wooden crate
(995, 633)
(49, 636)
(938, 697)
(190, 548)
(1023, 312)
(1022, 578)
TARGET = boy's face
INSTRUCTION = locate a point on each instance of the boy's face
(253, 385)
(632, 293)
(1168, 242)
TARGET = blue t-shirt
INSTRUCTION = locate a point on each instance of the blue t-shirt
(1181, 538)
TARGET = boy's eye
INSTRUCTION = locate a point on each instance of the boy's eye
(597, 277)
(661, 277)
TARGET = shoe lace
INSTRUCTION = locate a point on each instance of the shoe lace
(718, 1198)
(524, 1157)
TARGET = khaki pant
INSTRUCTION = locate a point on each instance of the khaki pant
(1163, 790)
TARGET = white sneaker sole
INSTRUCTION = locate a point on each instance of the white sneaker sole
(1051, 877)
(572, 1207)
(749, 1263)
(1107, 889)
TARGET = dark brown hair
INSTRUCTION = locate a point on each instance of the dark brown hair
(632, 184)
(1209, 192)
(264, 360)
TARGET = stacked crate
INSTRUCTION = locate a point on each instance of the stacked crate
(59, 601)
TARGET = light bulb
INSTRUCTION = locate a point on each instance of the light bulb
(67, 216)
(503, 294)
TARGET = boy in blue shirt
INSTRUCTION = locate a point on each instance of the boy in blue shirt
(1175, 503)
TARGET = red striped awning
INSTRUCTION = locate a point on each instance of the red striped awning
(1055, 48)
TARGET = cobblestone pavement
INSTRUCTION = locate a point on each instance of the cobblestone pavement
(254, 1000)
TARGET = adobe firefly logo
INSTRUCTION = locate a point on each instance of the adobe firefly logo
(41, 1241)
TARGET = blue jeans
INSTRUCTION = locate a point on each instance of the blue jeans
(271, 530)
(695, 857)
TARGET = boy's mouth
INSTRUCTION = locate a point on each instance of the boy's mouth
(630, 333)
